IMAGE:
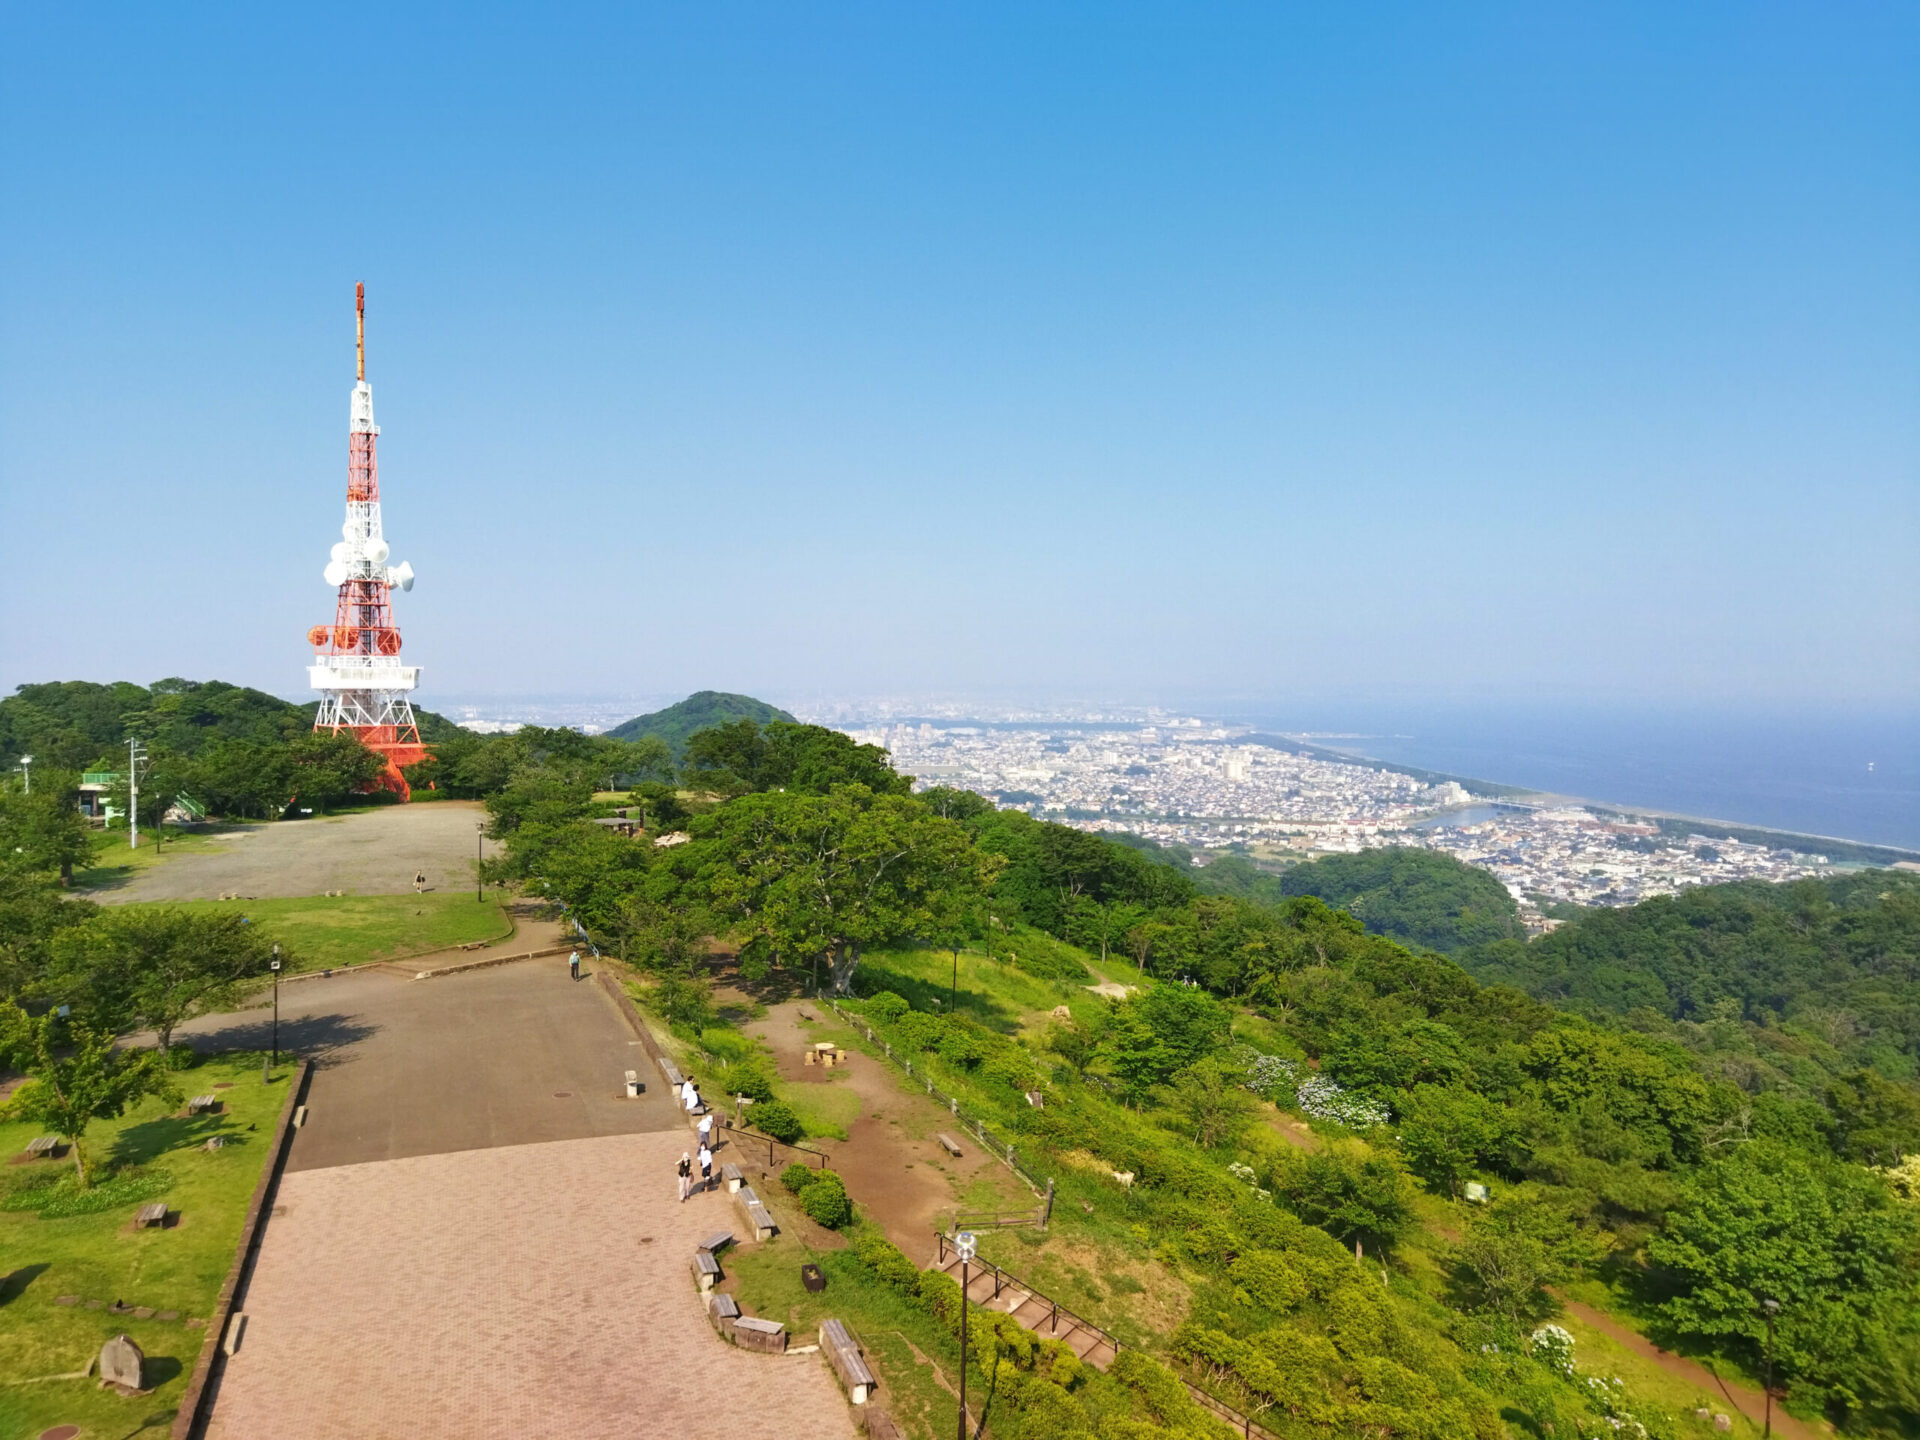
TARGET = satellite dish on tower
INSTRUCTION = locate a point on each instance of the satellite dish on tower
(401, 575)
(336, 574)
(339, 551)
(378, 552)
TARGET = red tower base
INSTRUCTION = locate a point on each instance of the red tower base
(398, 750)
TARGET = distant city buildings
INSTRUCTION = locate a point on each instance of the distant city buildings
(1181, 782)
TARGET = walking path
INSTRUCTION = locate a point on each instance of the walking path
(533, 1291)
(478, 1235)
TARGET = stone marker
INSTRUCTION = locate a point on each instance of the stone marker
(1721, 1422)
(121, 1362)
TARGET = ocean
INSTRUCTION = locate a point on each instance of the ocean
(1851, 776)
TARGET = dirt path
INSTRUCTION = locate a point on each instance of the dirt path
(890, 1160)
(1743, 1398)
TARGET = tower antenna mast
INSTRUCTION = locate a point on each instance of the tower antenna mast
(364, 688)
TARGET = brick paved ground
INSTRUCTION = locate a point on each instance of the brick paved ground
(503, 1293)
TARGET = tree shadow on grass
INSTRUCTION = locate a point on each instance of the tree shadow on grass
(11, 1286)
(875, 975)
(150, 1139)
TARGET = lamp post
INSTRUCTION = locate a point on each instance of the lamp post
(274, 966)
(1772, 1307)
(965, 1243)
(26, 771)
(479, 859)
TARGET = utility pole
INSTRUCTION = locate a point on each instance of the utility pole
(136, 757)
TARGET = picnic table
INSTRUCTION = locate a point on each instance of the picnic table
(43, 1148)
(203, 1104)
(151, 1216)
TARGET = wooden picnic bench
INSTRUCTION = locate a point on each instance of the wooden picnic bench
(151, 1216)
(706, 1270)
(672, 1072)
(734, 1179)
(722, 1311)
(753, 1333)
(717, 1241)
(844, 1355)
(949, 1144)
(43, 1148)
(203, 1104)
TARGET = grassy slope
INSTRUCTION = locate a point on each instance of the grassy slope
(98, 1258)
(1097, 1257)
(328, 931)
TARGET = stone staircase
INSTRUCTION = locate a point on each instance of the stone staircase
(992, 1289)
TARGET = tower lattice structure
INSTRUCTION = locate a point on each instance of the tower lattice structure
(364, 686)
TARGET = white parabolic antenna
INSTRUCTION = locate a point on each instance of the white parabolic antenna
(336, 573)
(379, 551)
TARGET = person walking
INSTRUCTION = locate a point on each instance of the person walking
(419, 882)
(706, 1167)
(706, 1132)
(686, 1174)
(573, 964)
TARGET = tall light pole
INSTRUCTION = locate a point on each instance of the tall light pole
(1772, 1307)
(965, 1243)
(479, 859)
(274, 965)
(26, 771)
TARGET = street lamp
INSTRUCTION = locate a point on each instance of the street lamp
(1772, 1307)
(966, 1242)
(26, 771)
(274, 966)
(479, 880)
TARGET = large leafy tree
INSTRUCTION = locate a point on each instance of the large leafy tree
(44, 831)
(1824, 1239)
(74, 1078)
(157, 967)
(831, 875)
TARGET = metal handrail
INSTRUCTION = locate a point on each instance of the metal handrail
(771, 1142)
(1002, 1278)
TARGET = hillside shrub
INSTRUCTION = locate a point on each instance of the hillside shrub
(776, 1118)
(887, 1005)
(825, 1200)
(796, 1177)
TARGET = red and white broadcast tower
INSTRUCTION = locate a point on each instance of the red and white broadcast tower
(356, 664)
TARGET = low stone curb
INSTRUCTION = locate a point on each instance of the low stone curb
(460, 969)
(191, 1418)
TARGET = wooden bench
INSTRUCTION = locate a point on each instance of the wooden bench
(734, 1179)
(672, 1072)
(44, 1148)
(203, 1104)
(706, 1270)
(750, 1332)
(949, 1144)
(722, 1311)
(844, 1355)
(151, 1215)
(717, 1241)
(759, 1220)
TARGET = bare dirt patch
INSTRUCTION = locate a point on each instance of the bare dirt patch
(890, 1161)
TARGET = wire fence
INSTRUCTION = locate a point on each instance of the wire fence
(972, 1124)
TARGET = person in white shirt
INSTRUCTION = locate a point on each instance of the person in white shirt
(690, 1094)
(706, 1131)
(706, 1167)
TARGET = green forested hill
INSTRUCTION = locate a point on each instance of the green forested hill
(69, 724)
(698, 711)
(1835, 962)
(1420, 896)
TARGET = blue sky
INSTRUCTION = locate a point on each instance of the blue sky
(1153, 353)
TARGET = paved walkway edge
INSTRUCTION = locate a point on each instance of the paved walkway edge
(190, 1418)
(629, 1011)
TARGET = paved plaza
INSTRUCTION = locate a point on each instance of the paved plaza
(377, 852)
(478, 1235)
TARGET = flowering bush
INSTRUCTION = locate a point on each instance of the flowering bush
(1274, 1078)
(1553, 1347)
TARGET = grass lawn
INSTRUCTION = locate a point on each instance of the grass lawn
(98, 1257)
(825, 1109)
(998, 995)
(327, 931)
